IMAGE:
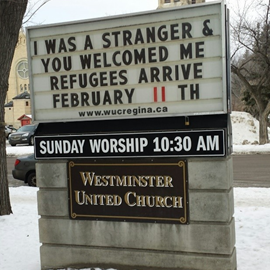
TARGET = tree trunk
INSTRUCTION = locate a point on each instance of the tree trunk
(5, 207)
(11, 16)
(263, 130)
(262, 109)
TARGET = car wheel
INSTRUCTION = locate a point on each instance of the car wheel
(31, 140)
(31, 179)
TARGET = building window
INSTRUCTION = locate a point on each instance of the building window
(22, 69)
(176, 0)
(193, 2)
(26, 103)
(167, 1)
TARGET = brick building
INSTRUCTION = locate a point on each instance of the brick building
(173, 3)
(18, 100)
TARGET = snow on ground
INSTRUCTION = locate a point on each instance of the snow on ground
(19, 239)
(252, 217)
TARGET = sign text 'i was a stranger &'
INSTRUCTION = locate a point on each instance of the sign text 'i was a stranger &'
(166, 63)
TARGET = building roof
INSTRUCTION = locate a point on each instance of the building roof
(25, 116)
(24, 95)
(9, 104)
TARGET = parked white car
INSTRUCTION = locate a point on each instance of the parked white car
(8, 131)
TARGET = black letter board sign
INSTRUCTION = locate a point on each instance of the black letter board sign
(199, 143)
(129, 191)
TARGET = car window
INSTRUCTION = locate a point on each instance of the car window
(26, 128)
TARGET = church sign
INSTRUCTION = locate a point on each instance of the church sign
(202, 143)
(153, 64)
(129, 191)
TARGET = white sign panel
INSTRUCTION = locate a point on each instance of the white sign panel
(153, 64)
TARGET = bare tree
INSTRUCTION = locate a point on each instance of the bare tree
(11, 18)
(236, 88)
(252, 37)
(32, 9)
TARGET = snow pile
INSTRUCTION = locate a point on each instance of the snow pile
(245, 129)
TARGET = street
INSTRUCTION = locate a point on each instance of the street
(251, 170)
(248, 171)
(11, 181)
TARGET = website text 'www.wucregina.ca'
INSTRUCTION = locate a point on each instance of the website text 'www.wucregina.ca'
(134, 111)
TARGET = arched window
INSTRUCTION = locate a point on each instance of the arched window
(22, 69)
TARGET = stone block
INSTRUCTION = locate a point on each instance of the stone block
(197, 238)
(51, 174)
(53, 202)
(210, 173)
(130, 259)
(211, 206)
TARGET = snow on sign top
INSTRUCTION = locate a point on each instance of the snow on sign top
(168, 62)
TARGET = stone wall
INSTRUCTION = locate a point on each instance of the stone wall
(207, 243)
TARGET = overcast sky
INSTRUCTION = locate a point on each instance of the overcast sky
(68, 10)
(56, 11)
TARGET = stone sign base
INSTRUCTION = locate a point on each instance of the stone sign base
(206, 243)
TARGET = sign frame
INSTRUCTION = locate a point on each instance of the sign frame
(184, 15)
(159, 212)
(187, 143)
